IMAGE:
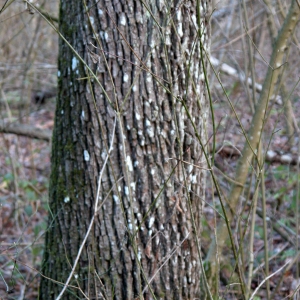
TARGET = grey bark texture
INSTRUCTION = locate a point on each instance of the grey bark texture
(146, 55)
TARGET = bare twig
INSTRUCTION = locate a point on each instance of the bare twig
(225, 68)
(267, 278)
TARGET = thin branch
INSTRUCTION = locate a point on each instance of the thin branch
(267, 278)
(225, 68)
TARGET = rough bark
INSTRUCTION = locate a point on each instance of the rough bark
(138, 227)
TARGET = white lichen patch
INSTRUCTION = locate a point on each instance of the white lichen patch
(86, 155)
(148, 78)
(194, 19)
(179, 14)
(125, 77)
(179, 30)
(116, 198)
(103, 155)
(139, 254)
(100, 12)
(126, 190)
(152, 43)
(149, 128)
(129, 163)
(201, 78)
(106, 36)
(150, 132)
(74, 63)
(58, 73)
(158, 202)
(134, 88)
(122, 20)
(163, 133)
(132, 184)
(129, 226)
(151, 222)
(194, 179)
(174, 260)
(152, 171)
(67, 199)
(138, 117)
(82, 114)
(136, 163)
(139, 216)
(168, 40)
(190, 168)
(92, 20)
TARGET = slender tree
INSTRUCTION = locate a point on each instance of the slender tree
(128, 178)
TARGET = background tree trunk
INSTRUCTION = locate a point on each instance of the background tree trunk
(143, 231)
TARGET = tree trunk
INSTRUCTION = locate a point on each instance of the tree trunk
(147, 57)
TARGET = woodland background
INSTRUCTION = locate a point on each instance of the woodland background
(242, 41)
